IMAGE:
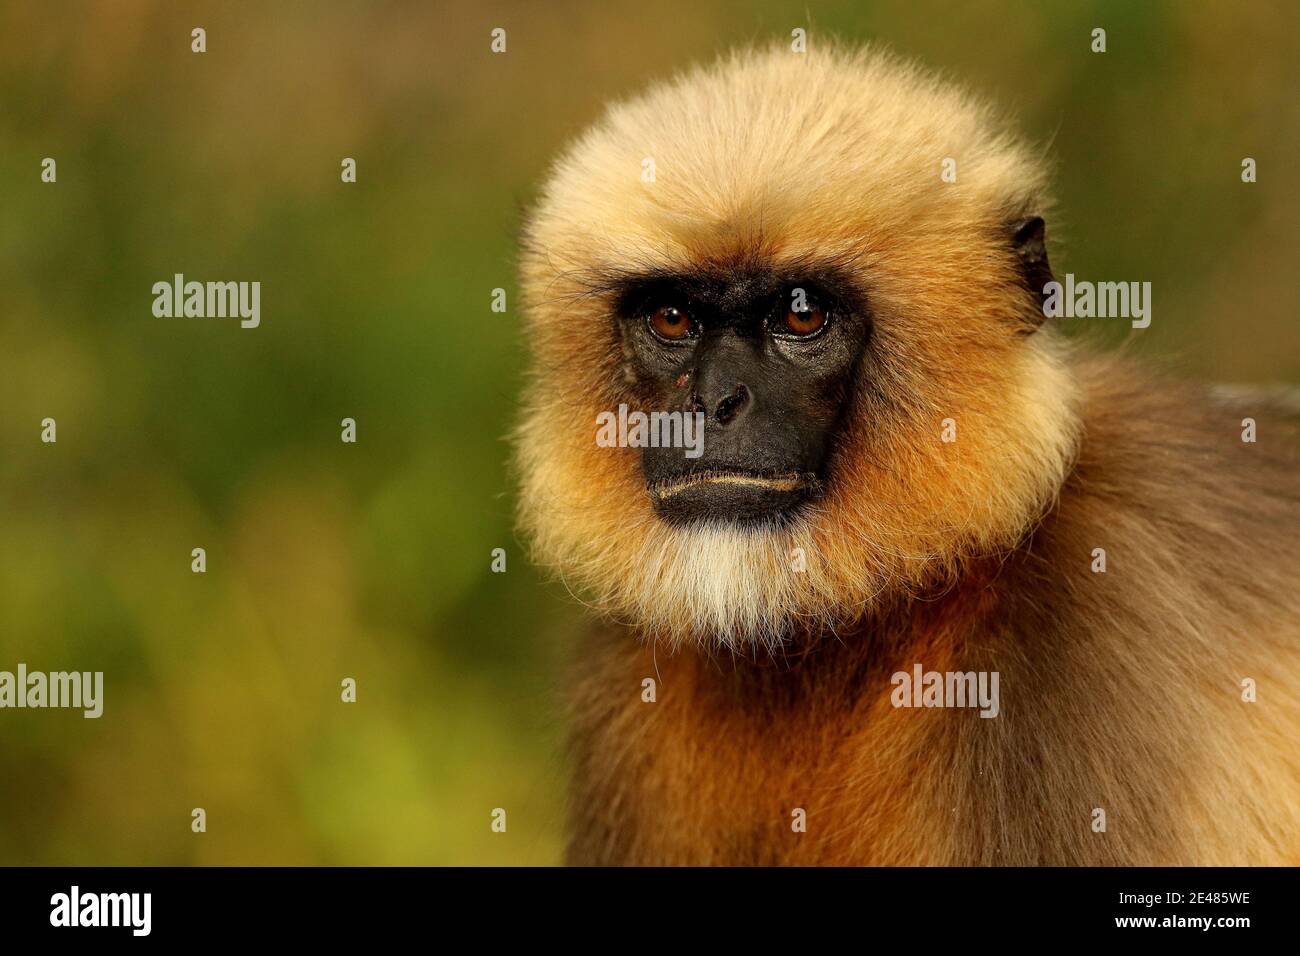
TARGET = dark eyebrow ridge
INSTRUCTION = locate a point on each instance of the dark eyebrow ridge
(633, 292)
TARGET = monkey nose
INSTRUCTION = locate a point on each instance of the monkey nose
(729, 407)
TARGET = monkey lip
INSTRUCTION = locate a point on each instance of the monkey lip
(666, 488)
(731, 495)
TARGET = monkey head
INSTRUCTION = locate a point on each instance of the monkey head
(833, 263)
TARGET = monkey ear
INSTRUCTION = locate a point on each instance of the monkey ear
(1029, 237)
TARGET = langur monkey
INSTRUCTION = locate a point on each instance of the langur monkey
(906, 470)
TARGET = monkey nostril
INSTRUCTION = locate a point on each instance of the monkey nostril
(731, 406)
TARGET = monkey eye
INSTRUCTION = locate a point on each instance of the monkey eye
(671, 323)
(801, 323)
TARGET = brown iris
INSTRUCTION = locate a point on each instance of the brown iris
(804, 323)
(670, 322)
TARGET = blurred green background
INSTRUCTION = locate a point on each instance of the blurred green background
(328, 560)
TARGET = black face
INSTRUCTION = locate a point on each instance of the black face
(768, 359)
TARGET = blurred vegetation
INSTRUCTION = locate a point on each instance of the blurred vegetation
(371, 560)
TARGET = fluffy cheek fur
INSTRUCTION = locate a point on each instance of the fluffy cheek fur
(903, 511)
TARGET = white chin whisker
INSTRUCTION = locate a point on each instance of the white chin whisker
(729, 584)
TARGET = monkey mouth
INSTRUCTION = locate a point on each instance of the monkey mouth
(666, 488)
(734, 495)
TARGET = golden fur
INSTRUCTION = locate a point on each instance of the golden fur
(1120, 690)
